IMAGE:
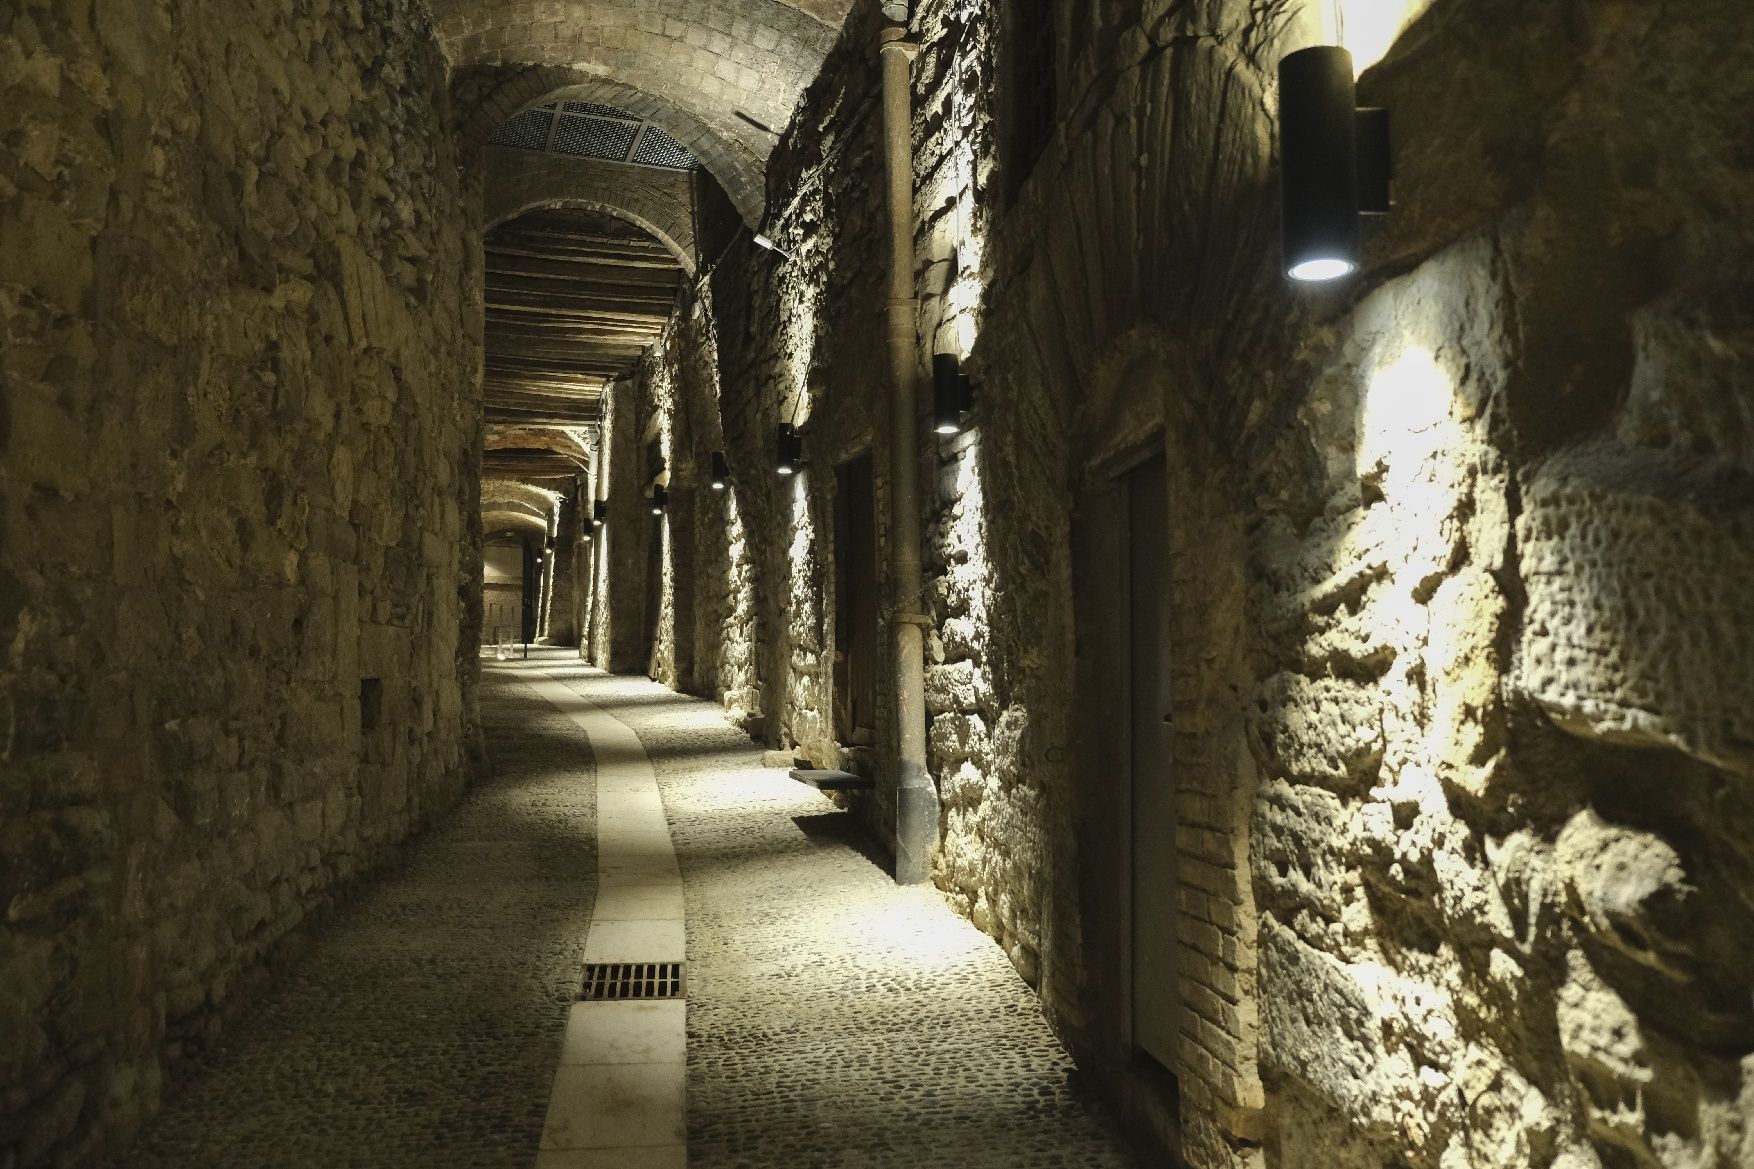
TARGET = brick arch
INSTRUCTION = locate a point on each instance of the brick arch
(753, 55)
(513, 494)
(487, 96)
(563, 440)
(688, 67)
(507, 518)
(658, 202)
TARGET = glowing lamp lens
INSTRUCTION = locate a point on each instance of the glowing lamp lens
(1323, 269)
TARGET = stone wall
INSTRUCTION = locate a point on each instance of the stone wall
(239, 569)
(1458, 547)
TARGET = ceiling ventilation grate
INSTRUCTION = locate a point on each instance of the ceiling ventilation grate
(657, 148)
(595, 138)
(527, 131)
(619, 981)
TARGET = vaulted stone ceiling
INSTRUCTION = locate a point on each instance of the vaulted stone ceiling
(720, 76)
(573, 297)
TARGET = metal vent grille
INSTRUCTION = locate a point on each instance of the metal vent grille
(526, 131)
(616, 981)
(657, 148)
(594, 137)
(591, 107)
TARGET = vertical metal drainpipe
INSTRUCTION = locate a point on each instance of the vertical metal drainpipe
(916, 799)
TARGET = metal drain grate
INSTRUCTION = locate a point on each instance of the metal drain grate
(613, 981)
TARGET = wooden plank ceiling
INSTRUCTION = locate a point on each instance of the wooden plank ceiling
(573, 297)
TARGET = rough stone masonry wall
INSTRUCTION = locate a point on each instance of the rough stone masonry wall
(761, 349)
(238, 451)
(1459, 552)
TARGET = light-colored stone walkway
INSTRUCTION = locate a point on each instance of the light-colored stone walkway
(619, 1092)
(834, 1020)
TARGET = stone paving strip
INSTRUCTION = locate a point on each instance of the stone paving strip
(619, 1094)
(836, 1021)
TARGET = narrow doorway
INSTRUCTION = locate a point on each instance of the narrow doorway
(654, 591)
(1150, 747)
(855, 603)
(654, 582)
(502, 589)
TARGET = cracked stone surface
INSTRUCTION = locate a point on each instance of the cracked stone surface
(423, 1024)
(833, 1018)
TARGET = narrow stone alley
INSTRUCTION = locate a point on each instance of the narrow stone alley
(834, 1017)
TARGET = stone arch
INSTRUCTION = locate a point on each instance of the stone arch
(487, 97)
(561, 440)
(508, 518)
(512, 494)
(658, 202)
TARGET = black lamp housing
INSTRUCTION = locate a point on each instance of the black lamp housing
(660, 499)
(1335, 162)
(789, 450)
(721, 479)
(599, 511)
(952, 394)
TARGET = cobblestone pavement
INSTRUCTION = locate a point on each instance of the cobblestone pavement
(423, 1025)
(835, 1020)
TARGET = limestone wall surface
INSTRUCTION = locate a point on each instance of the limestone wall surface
(239, 569)
(1458, 555)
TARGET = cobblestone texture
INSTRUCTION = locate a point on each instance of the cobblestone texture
(423, 1025)
(833, 1018)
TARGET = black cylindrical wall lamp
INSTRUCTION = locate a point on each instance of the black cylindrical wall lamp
(599, 511)
(952, 394)
(1334, 160)
(721, 479)
(789, 450)
(660, 498)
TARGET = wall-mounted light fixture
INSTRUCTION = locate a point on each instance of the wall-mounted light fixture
(600, 511)
(1335, 160)
(721, 471)
(952, 394)
(789, 450)
(762, 241)
(660, 499)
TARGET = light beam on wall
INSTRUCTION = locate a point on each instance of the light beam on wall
(1369, 28)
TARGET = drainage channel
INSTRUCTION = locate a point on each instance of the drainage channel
(619, 1095)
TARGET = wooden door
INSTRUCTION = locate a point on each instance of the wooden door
(856, 642)
(1150, 747)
